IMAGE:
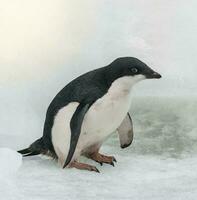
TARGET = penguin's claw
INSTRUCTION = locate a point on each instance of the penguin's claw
(95, 170)
(84, 166)
(112, 163)
(103, 159)
(114, 159)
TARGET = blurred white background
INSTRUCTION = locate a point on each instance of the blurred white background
(45, 44)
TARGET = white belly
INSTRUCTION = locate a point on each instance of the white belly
(61, 133)
(103, 118)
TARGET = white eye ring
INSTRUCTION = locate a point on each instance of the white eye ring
(134, 70)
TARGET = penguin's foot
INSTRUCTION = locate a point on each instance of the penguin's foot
(83, 166)
(102, 159)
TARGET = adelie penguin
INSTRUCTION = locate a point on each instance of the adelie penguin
(87, 110)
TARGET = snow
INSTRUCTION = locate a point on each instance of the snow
(10, 162)
(159, 165)
(11, 165)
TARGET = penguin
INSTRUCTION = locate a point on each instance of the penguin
(87, 111)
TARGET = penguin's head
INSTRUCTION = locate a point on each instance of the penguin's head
(134, 68)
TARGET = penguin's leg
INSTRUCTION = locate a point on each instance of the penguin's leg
(100, 158)
(93, 153)
(83, 166)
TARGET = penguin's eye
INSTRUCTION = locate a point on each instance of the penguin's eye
(134, 70)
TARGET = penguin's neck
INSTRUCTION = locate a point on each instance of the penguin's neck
(124, 85)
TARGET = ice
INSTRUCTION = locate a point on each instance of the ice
(134, 177)
(10, 161)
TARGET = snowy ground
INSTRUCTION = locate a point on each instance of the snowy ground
(160, 164)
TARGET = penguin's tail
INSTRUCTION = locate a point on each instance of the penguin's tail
(34, 149)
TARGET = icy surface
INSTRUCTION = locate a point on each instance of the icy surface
(161, 163)
(10, 161)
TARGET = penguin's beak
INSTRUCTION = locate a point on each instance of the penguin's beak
(154, 75)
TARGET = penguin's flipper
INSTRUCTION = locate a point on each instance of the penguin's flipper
(75, 126)
(125, 132)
